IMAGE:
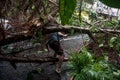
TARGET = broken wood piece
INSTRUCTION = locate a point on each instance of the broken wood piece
(28, 59)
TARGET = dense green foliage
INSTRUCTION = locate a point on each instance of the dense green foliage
(115, 43)
(85, 67)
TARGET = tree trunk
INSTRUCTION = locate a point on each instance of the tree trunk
(50, 29)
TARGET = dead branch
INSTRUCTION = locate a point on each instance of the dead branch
(28, 59)
(67, 29)
(59, 28)
(13, 39)
(53, 2)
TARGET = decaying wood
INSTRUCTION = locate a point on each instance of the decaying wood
(67, 29)
(59, 28)
(28, 59)
(13, 39)
(80, 30)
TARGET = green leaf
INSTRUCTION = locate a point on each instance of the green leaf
(101, 45)
(112, 3)
(33, 6)
(113, 39)
(66, 10)
(39, 52)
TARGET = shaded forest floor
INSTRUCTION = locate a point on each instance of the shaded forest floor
(45, 71)
(37, 71)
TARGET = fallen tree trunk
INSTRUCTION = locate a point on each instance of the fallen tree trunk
(15, 38)
(81, 30)
(50, 29)
(67, 29)
(28, 59)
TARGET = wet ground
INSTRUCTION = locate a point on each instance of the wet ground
(45, 71)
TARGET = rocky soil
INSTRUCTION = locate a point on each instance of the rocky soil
(37, 71)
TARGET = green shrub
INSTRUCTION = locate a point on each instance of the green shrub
(85, 67)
